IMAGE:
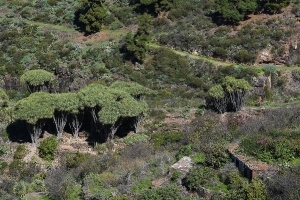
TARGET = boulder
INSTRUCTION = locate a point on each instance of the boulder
(158, 183)
(183, 166)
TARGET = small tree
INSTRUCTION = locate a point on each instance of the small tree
(134, 89)
(64, 104)
(108, 106)
(136, 44)
(236, 92)
(219, 100)
(138, 92)
(3, 98)
(92, 15)
(34, 109)
(47, 148)
(153, 5)
(76, 114)
(37, 80)
(230, 94)
(93, 98)
(123, 106)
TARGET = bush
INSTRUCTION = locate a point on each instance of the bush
(162, 139)
(21, 152)
(170, 192)
(175, 176)
(20, 188)
(159, 114)
(3, 150)
(137, 150)
(36, 186)
(199, 158)
(141, 185)
(240, 188)
(184, 151)
(3, 165)
(272, 146)
(47, 148)
(268, 93)
(130, 140)
(217, 156)
(99, 185)
(16, 167)
(281, 185)
(244, 56)
(198, 176)
(75, 160)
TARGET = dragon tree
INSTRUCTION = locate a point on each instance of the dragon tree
(35, 110)
(37, 80)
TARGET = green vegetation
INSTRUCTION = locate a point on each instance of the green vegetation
(47, 148)
(75, 160)
(37, 80)
(274, 146)
(92, 15)
(198, 176)
(101, 70)
(108, 107)
(136, 44)
(171, 192)
(230, 95)
(21, 152)
(162, 139)
(184, 151)
(130, 140)
(236, 11)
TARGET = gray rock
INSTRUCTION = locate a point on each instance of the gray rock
(183, 166)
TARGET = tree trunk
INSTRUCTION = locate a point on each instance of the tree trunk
(35, 131)
(95, 124)
(110, 130)
(60, 120)
(75, 123)
(137, 122)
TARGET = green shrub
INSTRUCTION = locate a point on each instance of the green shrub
(21, 152)
(198, 176)
(20, 188)
(99, 185)
(130, 140)
(217, 156)
(47, 148)
(16, 167)
(72, 190)
(268, 93)
(36, 186)
(116, 25)
(199, 158)
(275, 145)
(74, 161)
(240, 188)
(175, 176)
(169, 192)
(158, 114)
(4, 150)
(184, 151)
(141, 185)
(119, 197)
(3, 165)
(220, 52)
(162, 139)
(243, 56)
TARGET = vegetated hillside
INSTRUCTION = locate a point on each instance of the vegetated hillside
(129, 88)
